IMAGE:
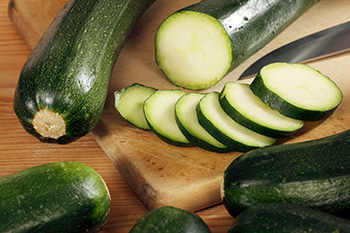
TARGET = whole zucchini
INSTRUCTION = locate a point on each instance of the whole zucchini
(199, 44)
(55, 197)
(286, 217)
(314, 174)
(63, 85)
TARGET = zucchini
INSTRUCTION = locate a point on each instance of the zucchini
(187, 120)
(297, 91)
(314, 174)
(55, 197)
(285, 217)
(222, 127)
(240, 103)
(159, 111)
(129, 103)
(170, 219)
(198, 45)
(63, 85)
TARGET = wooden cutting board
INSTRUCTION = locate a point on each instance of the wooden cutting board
(161, 174)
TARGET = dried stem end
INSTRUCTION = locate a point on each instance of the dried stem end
(49, 124)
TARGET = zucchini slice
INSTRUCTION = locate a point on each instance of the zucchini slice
(297, 91)
(240, 103)
(129, 103)
(221, 126)
(198, 45)
(159, 111)
(186, 117)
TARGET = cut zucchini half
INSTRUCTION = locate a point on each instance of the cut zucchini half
(193, 50)
(186, 117)
(159, 111)
(240, 103)
(129, 103)
(221, 126)
(297, 91)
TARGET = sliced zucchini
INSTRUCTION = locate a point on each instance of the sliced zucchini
(186, 117)
(240, 103)
(159, 111)
(129, 103)
(297, 91)
(216, 121)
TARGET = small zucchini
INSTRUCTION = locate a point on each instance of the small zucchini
(63, 85)
(55, 197)
(240, 103)
(198, 45)
(170, 219)
(314, 174)
(297, 91)
(286, 217)
(159, 111)
(186, 118)
(129, 103)
(222, 127)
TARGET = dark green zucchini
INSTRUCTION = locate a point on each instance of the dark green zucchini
(55, 197)
(170, 219)
(314, 174)
(63, 85)
(285, 217)
(199, 44)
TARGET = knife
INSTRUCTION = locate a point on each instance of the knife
(328, 42)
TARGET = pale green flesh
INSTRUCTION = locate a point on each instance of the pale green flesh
(212, 110)
(129, 103)
(185, 110)
(159, 110)
(301, 86)
(241, 97)
(193, 50)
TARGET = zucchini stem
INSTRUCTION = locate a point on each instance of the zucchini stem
(49, 124)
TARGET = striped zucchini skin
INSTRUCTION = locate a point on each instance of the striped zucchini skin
(251, 24)
(68, 72)
(54, 197)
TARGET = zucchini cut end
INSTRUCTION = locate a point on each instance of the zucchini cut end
(49, 124)
(193, 50)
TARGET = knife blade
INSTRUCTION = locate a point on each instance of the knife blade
(328, 42)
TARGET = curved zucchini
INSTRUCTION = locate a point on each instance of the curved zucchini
(314, 174)
(63, 85)
(129, 103)
(297, 91)
(55, 197)
(285, 217)
(187, 120)
(199, 44)
(222, 127)
(170, 219)
(240, 103)
(159, 111)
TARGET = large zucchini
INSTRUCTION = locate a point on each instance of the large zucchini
(314, 174)
(198, 45)
(63, 85)
(55, 197)
(286, 217)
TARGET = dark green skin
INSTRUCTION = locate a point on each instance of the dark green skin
(69, 70)
(170, 219)
(251, 24)
(55, 197)
(285, 217)
(276, 102)
(241, 119)
(314, 174)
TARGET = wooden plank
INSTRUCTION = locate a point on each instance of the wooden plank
(161, 174)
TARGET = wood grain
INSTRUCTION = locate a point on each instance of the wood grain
(189, 178)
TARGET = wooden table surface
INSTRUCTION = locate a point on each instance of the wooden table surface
(19, 150)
